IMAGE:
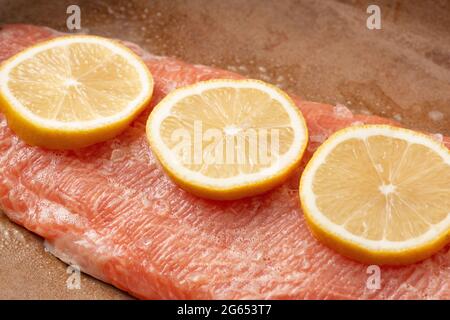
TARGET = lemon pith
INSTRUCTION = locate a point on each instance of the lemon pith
(231, 107)
(73, 91)
(379, 194)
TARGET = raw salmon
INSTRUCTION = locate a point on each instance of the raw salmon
(110, 209)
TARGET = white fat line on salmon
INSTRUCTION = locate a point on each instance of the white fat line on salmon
(73, 269)
(232, 145)
(188, 310)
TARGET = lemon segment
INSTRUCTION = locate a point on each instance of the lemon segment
(73, 91)
(227, 139)
(379, 194)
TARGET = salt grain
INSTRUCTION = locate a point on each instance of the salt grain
(436, 115)
(262, 69)
(438, 137)
(342, 111)
(397, 117)
(117, 155)
(318, 138)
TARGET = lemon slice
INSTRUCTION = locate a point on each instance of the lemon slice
(379, 194)
(227, 139)
(73, 91)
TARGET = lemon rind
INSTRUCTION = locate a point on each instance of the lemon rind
(234, 187)
(358, 248)
(119, 49)
(56, 134)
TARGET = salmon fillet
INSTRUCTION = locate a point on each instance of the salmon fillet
(111, 209)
